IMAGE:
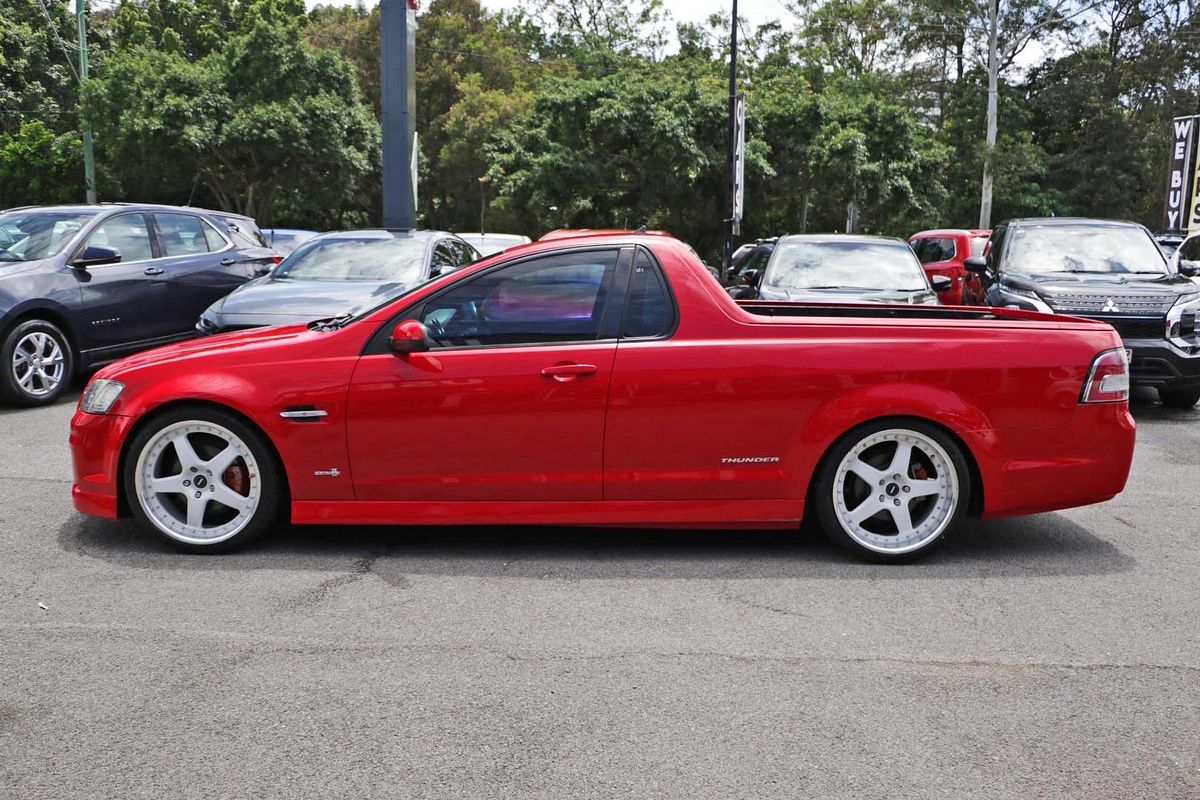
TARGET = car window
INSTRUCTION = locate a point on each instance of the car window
(850, 263)
(127, 234)
(648, 310)
(244, 232)
(466, 253)
(978, 246)
(1082, 248)
(213, 237)
(445, 258)
(557, 298)
(934, 249)
(345, 257)
(31, 235)
(182, 234)
(1190, 250)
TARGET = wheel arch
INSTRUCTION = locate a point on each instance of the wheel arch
(147, 419)
(58, 315)
(975, 502)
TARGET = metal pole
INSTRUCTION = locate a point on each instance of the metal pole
(728, 256)
(989, 152)
(89, 166)
(397, 107)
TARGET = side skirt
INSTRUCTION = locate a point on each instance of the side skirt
(638, 513)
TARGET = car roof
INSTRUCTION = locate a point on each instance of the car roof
(515, 237)
(952, 232)
(571, 233)
(385, 233)
(860, 238)
(1074, 221)
(98, 207)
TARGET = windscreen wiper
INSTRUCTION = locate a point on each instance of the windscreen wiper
(330, 323)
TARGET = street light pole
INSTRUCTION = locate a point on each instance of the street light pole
(733, 37)
(89, 166)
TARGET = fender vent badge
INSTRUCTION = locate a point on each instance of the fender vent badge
(328, 473)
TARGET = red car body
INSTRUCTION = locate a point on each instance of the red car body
(943, 252)
(525, 434)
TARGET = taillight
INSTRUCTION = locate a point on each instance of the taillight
(1108, 379)
(276, 258)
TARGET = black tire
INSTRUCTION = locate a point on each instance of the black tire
(11, 388)
(822, 498)
(1179, 398)
(270, 474)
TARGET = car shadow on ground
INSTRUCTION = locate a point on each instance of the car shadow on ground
(1047, 544)
(69, 398)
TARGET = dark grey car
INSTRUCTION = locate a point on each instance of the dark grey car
(338, 273)
(84, 285)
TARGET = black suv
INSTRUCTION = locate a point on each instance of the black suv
(1108, 271)
(84, 285)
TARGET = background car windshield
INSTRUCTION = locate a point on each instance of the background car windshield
(31, 235)
(1083, 248)
(392, 259)
(862, 265)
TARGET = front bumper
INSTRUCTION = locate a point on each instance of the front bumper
(96, 441)
(1157, 363)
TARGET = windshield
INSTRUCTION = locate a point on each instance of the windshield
(800, 264)
(1083, 248)
(399, 260)
(32, 235)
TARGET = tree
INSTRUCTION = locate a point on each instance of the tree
(38, 165)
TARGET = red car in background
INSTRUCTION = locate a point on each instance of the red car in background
(590, 381)
(942, 252)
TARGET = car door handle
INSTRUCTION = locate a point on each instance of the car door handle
(153, 271)
(225, 262)
(568, 372)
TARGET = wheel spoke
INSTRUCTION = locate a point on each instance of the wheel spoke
(868, 473)
(868, 508)
(924, 488)
(222, 460)
(27, 381)
(901, 460)
(195, 511)
(903, 519)
(171, 484)
(185, 452)
(228, 497)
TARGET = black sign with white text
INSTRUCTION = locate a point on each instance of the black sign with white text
(1177, 212)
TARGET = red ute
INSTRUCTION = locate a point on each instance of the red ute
(591, 381)
(943, 252)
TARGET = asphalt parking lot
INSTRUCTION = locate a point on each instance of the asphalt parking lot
(1054, 656)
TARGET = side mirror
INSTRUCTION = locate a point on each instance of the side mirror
(94, 256)
(750, 277)
(941, 283)
(409, 336)
(1189, 269)
(976, 264)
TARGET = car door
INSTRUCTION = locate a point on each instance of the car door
(127, 301)
(509, 401)
(200, 265)
(938, 256)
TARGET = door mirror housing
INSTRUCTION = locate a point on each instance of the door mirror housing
(1189, 269)
(976, 264)
(94, 256)
(750, 277)
(410, 336)
(941, 283)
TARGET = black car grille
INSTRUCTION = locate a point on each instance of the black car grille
(1097, 303)
(1138, 328)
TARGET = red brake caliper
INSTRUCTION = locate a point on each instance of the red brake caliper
(235, 477)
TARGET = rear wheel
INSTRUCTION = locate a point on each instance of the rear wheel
(891, 491)
(1179, 398)
(203, 480)
(38, 363)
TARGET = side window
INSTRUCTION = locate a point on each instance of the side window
(443, 260)
(1190, 249)
(127, 234)
(934, 250)
(466, 253)
(213, 237)
(182, 234)
(918, 246)
(558, 298)
(648, 309)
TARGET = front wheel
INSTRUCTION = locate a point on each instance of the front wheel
(38, 363)
(203, 480)
(893, 490)
(1179, 398)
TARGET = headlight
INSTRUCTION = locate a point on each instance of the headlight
(1181, 321)
(1031, 299)
(100, 396)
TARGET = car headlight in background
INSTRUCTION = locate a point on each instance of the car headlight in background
(1025, 299)
(100, 395)
(1181, 323)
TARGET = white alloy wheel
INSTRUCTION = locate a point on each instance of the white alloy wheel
(198, 482)
(39, 364)
(895, 491)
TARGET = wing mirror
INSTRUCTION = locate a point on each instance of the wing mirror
(976, 264)
(941, 283)
(750, 277)
(1189, 269)
(409, 336)
(94, 256)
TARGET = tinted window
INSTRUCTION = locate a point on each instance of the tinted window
(127, 234)
(849, 263)
(445, 258)
(213, 238)
(978, 245)
(466, 253)
(182, 234)
(936, 249)
(1190, 250)
(244, 232)
(1041, 249)
(558, 298)
(30, 235)
(395, 259)
(648, 309)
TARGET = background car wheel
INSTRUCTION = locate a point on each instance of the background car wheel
(38, 363)
(203, 480)
(891, 491)
(1179, 398)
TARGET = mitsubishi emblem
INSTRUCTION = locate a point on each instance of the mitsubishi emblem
(1110, 307)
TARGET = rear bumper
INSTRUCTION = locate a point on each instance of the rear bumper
(1033, 470)
(96, 441)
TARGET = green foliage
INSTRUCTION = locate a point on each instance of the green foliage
(37, 164)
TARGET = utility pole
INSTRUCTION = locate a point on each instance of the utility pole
(89, 166)
(729, 223)
(989, 151)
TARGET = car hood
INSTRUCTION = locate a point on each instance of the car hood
(274, 301)
(1101, 283)
(913, 296)
(9, 268)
